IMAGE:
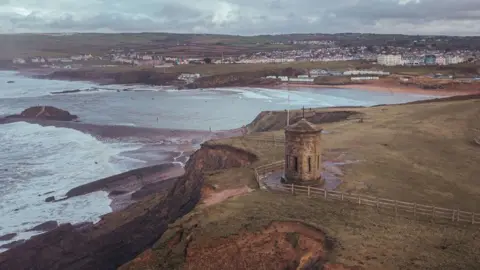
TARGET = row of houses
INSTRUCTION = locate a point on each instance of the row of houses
(42, 60)
(399, 60)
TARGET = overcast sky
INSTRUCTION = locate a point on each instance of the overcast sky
(244, 17)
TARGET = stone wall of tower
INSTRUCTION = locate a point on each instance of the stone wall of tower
(305, 150)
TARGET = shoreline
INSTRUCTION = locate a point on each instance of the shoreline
(375, 86)
(171, 149)
(382, 88)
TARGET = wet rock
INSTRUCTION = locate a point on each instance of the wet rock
(13, 244)
(10, 81)
(7, 237)
(45, 113)
(66, 92)
(46, 226)
(50, 199)
(82, 226)
(117, 192)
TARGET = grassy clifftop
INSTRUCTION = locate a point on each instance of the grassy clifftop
(421, 152)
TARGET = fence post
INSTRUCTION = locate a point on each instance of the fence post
(433, 211)
(458, 215)
(325, 193)
(274, 142)
(396, 210)
(415, 209)
(358, 199)
(341, 196)
(473, 218)
(453, 215)
(377, 203)
(309, 191)
(293, 192)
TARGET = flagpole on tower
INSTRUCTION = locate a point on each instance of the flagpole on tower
(288, 107)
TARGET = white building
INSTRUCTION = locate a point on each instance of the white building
(441, 60)
(452, 60)
(366, 78)
(19, 61)
(389, 59)
(365, 72)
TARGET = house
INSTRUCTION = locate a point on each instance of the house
(430, 59)
(389, 59)
(441, 60)
(452, 60)
(19, 61)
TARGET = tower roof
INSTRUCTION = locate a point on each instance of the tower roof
(302, 126)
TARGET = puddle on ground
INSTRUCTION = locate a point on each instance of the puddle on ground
(332, 175)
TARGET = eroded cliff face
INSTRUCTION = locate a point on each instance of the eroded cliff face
(121, 236)
(232, 79)
(281, 245)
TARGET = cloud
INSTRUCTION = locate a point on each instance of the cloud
(244, 17)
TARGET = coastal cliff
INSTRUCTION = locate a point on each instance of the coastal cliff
(119, 76)
(232, 79)
(120, 236)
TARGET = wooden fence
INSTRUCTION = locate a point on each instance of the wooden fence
(271, 139)
(396, 207)
(393, 206)
(261, 171)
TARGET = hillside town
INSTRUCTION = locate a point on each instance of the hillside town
(316, 51)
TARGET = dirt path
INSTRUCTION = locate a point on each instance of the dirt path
(41, 112)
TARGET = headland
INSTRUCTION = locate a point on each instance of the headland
(422, 152)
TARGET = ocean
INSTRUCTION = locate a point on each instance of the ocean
(38, 161)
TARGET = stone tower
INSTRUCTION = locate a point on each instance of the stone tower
(303, 162)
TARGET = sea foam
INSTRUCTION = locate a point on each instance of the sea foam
(38, 162)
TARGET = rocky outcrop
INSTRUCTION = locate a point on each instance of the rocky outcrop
(45, 113)
(231, 79)
(122, 235)
(276, 120)
(8, 237)
(45, 226)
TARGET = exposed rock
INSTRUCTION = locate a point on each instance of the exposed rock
(83, 226)
(50, 199)
(115, 182)
(8, 237)
(120, 236)
(10, 81)
(230, 79)
(46, 226)
(281, 245)
(117, 192)
(13, 244)
(338, 266)
(66, 92)
(45, 113)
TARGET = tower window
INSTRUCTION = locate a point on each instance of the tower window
(318, 162)
(295, 163)
(309, 164)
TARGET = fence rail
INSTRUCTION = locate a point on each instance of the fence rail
(275, 140)
(395, 206)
